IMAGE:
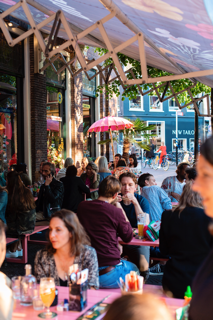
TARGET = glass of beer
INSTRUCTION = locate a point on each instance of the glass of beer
(141, 224)
(47, 294)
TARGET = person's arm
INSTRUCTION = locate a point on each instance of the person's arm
(55, 193)
(124, 229)
(175, 195)
(165, 200)
(165, 185)
(83, 188)
(164, 233)
(91, 262)
(138, 210)
(96, 180)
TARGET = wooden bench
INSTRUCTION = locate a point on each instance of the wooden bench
(24, 241)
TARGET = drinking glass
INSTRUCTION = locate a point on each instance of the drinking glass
(16, 287)
(47, 294)
(141, 224)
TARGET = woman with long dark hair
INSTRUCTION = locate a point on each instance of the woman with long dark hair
(201, 306)
(133, 162)
(68, 245)
(20, 212)
(185, 239)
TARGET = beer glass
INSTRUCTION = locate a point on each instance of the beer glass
(47, 294)
(141, 224)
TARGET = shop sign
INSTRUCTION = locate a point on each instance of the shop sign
(186, 132)
(59, 97)
(54, 118)
(86, 106)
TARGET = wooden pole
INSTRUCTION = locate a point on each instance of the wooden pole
(113, 153)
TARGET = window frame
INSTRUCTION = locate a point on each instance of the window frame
(136, 109)
(155, 110)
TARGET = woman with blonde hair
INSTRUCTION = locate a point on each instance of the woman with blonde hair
(103, 168)
(185, 239)
(137, 307)
(82, 169)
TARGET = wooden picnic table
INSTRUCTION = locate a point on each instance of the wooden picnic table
(94, 296)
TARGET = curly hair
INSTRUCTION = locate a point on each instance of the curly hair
(79, 236)
(128, 175)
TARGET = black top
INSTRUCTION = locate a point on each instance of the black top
(63, 283)
(201, 306)
(73, 189)
(186, 240)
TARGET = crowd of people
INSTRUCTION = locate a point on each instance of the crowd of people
(87, 232)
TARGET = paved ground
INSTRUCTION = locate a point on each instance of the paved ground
(12, 269)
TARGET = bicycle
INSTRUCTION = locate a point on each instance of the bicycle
(164, 164)
(147, 162)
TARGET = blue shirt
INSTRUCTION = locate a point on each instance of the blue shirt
(130, 209)
(103, 175)
(158, 201)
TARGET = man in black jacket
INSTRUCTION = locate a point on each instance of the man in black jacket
(51, 194)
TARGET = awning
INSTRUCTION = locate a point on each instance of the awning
(52, 125)
(178, 34)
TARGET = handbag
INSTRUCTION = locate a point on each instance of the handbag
(152, 230)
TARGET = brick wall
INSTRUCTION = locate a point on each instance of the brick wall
(77, 118)
(38, 114)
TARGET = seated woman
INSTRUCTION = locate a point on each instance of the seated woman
(20, 212)
(103, 168)
(6, 294)
(91, 178)
(121, 168)
(21, 168)
(184, 237)
(82, 169)
(3, 203)
(73, 189)
(68, 245)
(133, 162)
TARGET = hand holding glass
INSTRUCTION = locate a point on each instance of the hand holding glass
(47, 294)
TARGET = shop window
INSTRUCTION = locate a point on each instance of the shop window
(136, 104)
(55, 138)
(173, 105)
(155, 104)
(89, 86)
(54, 79)
(118, 104)
(8, 122)
(182, 143)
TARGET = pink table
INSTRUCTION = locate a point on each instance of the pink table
(94, 296)
(141, 242)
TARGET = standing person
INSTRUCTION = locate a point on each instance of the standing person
(62, 172)
(174, 185)
(91, 178)
(68, 245)
(82, 169)
(133, 162)
(51, 193)
(3, 203)
(185, 239)
(163, 152)
(38, 174)
(134, 205)
(73, 189)
(20, 212)
(103, 170)
(156, 196)
(104, 223)
(6, 294)
(113, 165)
(201, 306)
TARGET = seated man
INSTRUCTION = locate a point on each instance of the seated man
(156, 196)
(104, 223)
(174, 185)
(51, 194)
(6, 294)
(133, 205)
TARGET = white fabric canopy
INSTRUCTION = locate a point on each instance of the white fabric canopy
(182, 31)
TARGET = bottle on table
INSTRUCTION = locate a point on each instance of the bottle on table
(28, 285)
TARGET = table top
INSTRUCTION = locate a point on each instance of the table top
(141, 242)
(94, 296)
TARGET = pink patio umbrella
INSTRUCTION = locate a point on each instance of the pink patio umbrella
(110, 124)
